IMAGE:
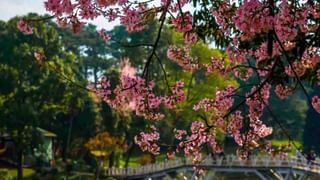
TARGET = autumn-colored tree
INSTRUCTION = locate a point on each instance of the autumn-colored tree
(102, 146)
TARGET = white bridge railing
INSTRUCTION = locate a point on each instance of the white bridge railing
(229, 161)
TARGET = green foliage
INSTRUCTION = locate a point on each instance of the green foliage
(312, 128)
(290, 113)
(34, 93)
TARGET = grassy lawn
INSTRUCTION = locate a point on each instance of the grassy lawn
(286, 142)
(11, 172)
(134, 162)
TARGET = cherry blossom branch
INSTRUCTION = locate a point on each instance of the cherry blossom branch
(59, 73)
(292, 68)
(162, 19)
(189, 86)
(254, 92)
(163, 70)
(248, 66)
(180, 10)
(274, 117)
(39, 19)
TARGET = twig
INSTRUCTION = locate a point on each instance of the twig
(162, 19)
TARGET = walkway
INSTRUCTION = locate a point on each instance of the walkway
(265, 167)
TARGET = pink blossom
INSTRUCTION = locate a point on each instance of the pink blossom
(170, 155)
(39, 57)
(126, 70)
(262, 52)
(182, 57)
(221, 103)
(298, 69)
(217, 64)
(132, 20)
(104, 3)
(282, 91)
(190, 37)
(223, 16)
(179, 133)
(257, 101)
(243, 74)
(251, 18)
(183, 23)
(235, 122)
(106, 38)
(316, 103)
(147, 141)
(24, 27)
(177, 96)
(263, 131)
(311, 57)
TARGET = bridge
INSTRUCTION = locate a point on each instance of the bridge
(263, 167)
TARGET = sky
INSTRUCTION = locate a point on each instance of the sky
(11, 8)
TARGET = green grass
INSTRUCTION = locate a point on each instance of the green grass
(277, 142)
(293, 143)
(80, 175)
(134, 162)
(11, 172)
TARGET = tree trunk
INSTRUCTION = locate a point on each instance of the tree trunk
(19, 165)
(129, 153)
(66, 152)
(98, 171)
(95, 75)
(86, 71)
(111, 159)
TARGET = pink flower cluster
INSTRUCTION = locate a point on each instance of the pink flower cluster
(257, 100)
(261, 53)
(132, 19)
(286, 21)
(174, 6)
(223, 16)
(296, 68)
(58, 7)
(197, 138)
(106, 3)
(39, 57)
(176, 97)
(103, 34)
(235, 122)
(24, 27)
(182, 57)
(217, 65)
(104, 91)
(147, 141)
(190, 38)
(183, 22)
(282, 91)
(178, 134)
(221, 104)
(252, 17)
(311, 57)
(316, 103)
(70, 12)
(134, 94)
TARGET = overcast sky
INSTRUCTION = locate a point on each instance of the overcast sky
(11, 8)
